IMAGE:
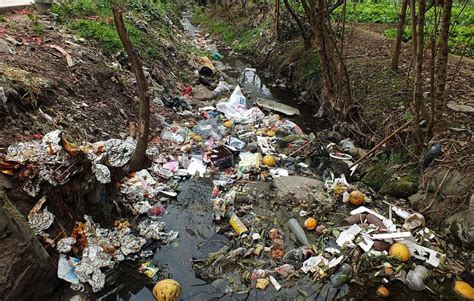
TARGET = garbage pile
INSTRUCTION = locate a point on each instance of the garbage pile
(89, 251)
(236, 144)
(244, 144)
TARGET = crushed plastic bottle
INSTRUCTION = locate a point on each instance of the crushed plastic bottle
(298, 231)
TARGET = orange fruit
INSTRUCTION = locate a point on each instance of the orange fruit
(228, 124)
(400, 251)
(464, 290)
(310, 223)
(269, 161)
(167, 290)
(383, 292)
(356, 198)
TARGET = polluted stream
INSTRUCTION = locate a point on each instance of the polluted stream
(190, 213)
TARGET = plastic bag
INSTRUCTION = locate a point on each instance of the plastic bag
(237, 97)
(221, 88)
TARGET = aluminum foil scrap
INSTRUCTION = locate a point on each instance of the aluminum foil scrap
(131, 244)
(155, 229)
(119, 151)
(36, 151)
(102, 173)
(40, 222)
(64, 245)
(141, 207)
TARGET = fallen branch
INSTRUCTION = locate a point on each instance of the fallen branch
(381, 143)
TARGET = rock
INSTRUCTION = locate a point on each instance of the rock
(461, 227)
(375, 176)
(202, 93)
(420, 200)
(400, 188)
(455, 182)
(298, 188)
(5, 181)
(4, 46)
(256, 188)
(27, 270)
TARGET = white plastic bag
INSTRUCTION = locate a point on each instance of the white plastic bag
(237, 97)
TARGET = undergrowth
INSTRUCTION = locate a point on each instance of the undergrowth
(146, 23)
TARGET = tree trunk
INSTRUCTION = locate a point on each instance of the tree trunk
(27, 271)
(418, 86)
(441, 66)
(277, 20)
(336, 84)
(413, 27)
(138, 157)
(306, 36)
(400, 29)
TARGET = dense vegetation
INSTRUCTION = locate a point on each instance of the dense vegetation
(92, 19)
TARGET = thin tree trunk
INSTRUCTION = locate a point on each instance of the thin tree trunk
(418, 89)
(413, 27)
(277, 20)
(442, 62)
(138, 156)
(400, 29)
(432, 77)
(304, 34)
(336, 84)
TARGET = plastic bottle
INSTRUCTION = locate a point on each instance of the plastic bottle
(237, 224)
(298, 231)
(217, 210)
(342, 276)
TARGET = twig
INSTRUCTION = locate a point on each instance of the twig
(382, 142)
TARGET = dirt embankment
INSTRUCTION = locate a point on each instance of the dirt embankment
(51, 79)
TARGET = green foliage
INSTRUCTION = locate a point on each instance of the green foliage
(92, 19)
(106, 35)
(2, 19)
(462, 25)
(38, 27)
(81, 8)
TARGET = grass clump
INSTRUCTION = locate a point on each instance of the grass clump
(146, 23)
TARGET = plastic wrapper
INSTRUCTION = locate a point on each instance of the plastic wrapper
(155, 230)
(249, 160)
(40, 222)
(64, 245)
(66, 269)
(141, 207)
(210, 128)
(237, 97)
(102, 173)
(139, 186)
(156, 212)
(236, 143)
(240, 114)
(170, 136)
(131, 244)
(196, 166)
(221, 88)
